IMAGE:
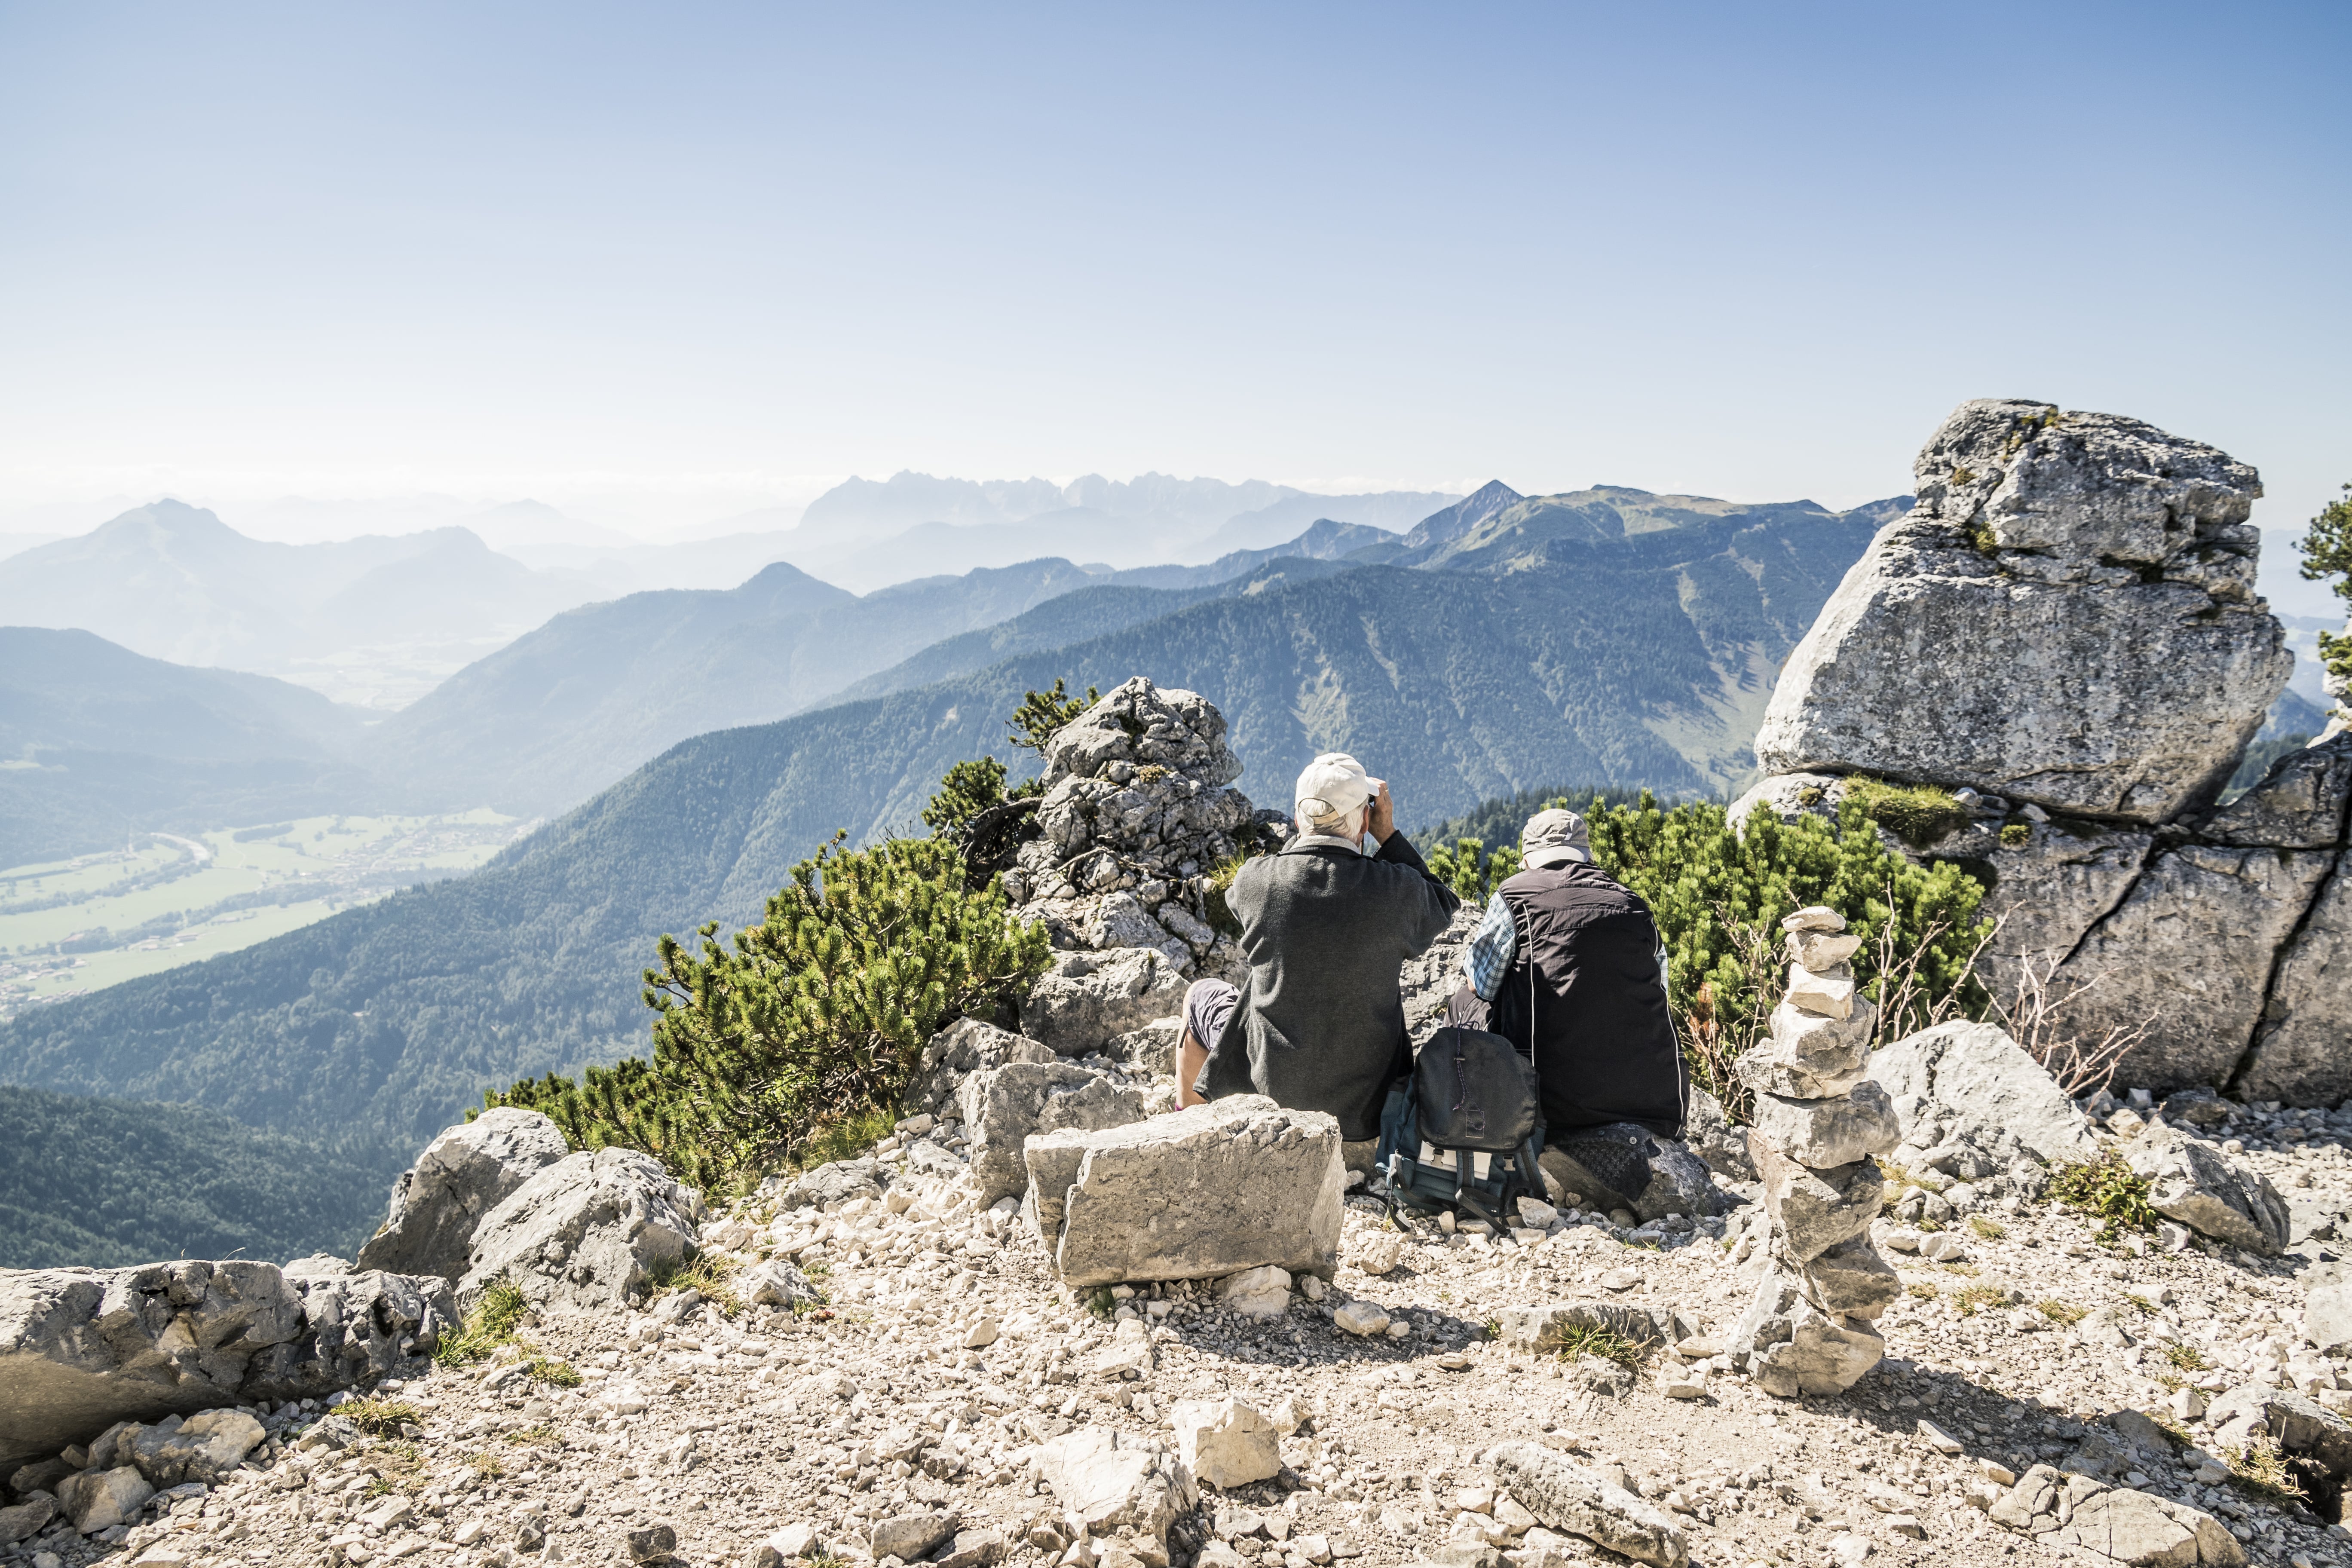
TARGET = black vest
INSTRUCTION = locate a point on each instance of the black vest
(1604, 1039)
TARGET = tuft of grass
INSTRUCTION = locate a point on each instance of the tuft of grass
(2065, 1312)
(1926, 1289)
(2105, 1189)
(1220, 876)
(1973, 1299)
(1919, 814)
(490, 1324)
(1986, 1229)
(2260, 1468)
(1966, 1270)
(1492, 1329)
(1608, 1344)
(486, 1465)
(843, 1140)
(2187, 1358)
(378, 1416)
(543, 1436)
(2147, 1307)
(2015, 835)
(706, 1272)
(551, 1370)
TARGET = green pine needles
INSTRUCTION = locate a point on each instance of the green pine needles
(817, 1015)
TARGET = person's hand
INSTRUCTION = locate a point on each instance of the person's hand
(1384, 819)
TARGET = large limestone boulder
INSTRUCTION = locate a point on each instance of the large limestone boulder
(2067, 617)
(462, 1175)
(1972, 1103)
(585, 1232)
(2194, 1183)
(966, 1046)
(1089, 999)
(202, 1447)
(1238, 1183)
(1001, 1107)
(82, 1350)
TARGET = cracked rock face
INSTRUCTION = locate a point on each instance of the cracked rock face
(2066, 618)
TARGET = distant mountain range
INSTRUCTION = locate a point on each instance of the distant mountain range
(98, 742)
(1608, 636)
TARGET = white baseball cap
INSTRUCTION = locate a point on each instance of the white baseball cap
(1331, 786)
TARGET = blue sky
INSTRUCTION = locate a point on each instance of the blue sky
(719, 252)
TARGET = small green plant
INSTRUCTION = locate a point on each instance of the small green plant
(1964, 475)
(1966, 1269)
(2065, 1312)
(2105, 1189)
(1221, 878)
(1492, 1329)
(2187, 1358)
(378, 1416)
(1973, 1299)
(1986, 545)
(553, 1370)
(490, 1324)
(1924, 1290)
(1044, 714)
(1608, 1345)
(2142, 1305)
(1102, 1303)
(1919, 814)
(1986, 1229)
(486, 1465)
(543, 1436)
(2015, 834)
(1472, 874)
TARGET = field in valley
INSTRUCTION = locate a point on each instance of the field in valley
(70, 927)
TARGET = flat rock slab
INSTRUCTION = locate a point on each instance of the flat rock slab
(1200, 1194)
(1568, 1497)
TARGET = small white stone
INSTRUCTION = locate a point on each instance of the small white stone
(1361, 1318)
(1620, 1280)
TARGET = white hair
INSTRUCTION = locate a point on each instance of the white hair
(1349, 824)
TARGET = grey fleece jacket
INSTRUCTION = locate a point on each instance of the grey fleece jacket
(1319, 1025)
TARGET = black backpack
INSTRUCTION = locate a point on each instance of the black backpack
(1462, 1129)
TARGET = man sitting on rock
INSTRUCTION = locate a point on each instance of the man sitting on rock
(1319, 1023)
(1571, 959)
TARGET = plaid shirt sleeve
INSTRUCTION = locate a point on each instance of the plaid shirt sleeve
(1487, 956)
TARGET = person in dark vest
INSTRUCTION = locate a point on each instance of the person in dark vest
(1318, 1023)
(1569, 965)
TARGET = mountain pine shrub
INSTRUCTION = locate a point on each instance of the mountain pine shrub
(816, 1015)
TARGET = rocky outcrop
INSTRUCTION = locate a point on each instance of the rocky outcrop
(2194, 1183)
(1972, 1104)
(2012, 633)
(966, 1046)
(2118, 1523)
(1137, 810)
(1238, 1183)
(2063, 633)
(1088, 998)
(462, 1175)
(585, 1233)
(81, 1350)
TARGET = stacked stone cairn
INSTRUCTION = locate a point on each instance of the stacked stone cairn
(1818, 1122)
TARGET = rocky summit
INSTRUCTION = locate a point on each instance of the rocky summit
(1926, 1306)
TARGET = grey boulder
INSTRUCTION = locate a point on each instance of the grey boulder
(911, 1537)
(1089, 999)
(1967, 1095)
(2328, 1307)
(101, 1499)
(965, 1047)
(463, 1175)
(2195, 1184)
(1238, 1183)
(833, 1183)
(1111, 1480)
(202, 1447)
(1003, 1106)
(2066, 618)
(585, 1233)
(2062, 1511)
(2298, 1055)
(1568, 1497)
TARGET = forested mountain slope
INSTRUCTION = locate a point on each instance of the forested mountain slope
(1456, 685)
(104, 1183)
(97, 742)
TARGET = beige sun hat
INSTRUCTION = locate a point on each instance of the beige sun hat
(1329, 787)
(1554, 838)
